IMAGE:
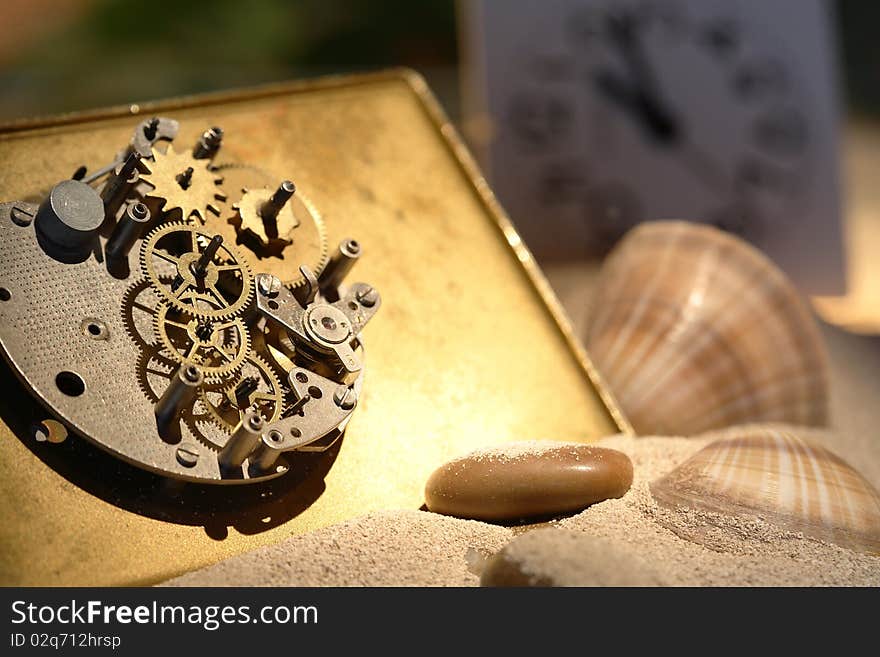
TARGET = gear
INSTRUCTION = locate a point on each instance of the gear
(219, 347)
(301, 235)
(252, 227)
(266, 395)
(182, 182)
(139, 305)
(153, 374)
(170, 255)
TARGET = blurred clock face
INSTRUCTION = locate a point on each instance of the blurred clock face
(678, 115)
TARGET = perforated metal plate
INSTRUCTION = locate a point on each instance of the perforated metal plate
(74, 335)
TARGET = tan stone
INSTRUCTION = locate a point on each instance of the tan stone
(528, 480)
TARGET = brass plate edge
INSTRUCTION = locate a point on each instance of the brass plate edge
(471, 169)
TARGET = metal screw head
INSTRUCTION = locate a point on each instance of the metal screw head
(187, 455)
(345, 398)
(368, 296)
(20, 216)
(269, 285)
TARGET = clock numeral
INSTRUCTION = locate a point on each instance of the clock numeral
(760, 78)
(539, 120)
(721, 37)
(782, 132)
(739, 218)
(754, 175)
(667, 17)
(562, 183)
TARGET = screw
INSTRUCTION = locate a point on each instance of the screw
(20, 216)
(187, 455)
(269, 285)
(345, 398)
(368, 296)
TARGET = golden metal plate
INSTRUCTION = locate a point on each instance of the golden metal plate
(470, 347)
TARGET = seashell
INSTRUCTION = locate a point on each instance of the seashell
(771, 473)
(559, 557)
(693, 329)
(526, 480)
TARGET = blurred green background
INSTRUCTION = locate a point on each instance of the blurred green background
(61, 55)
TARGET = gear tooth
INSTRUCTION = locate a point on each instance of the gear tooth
(269, 376)
(233, 309)
(162, 177)
(150, 361)
(324, 253)
(213, 373)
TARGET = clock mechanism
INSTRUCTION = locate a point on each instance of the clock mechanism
(183, 314)
(652, 110)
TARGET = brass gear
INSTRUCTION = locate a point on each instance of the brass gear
(153, 374)
(268, 397)
(167, 256)
(302, 236)
(250, 222)
(218, 347)
(182, 182)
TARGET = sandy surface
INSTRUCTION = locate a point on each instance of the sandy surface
(416, 548)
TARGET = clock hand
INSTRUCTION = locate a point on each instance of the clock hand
(640, 96)
(643, 107)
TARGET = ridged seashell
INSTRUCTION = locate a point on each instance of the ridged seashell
(693, 329)
(769, 472)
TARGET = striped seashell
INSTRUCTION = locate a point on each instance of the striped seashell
(693, 329)
(769, 472)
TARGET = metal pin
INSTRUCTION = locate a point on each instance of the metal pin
(184, 178)
(242, 442)
(270, 209)
(179, 394)
(200, 267)
(118, 185)
(127, 230)
(338, 268)
(208, 144)
(150, 128)
(267, 452)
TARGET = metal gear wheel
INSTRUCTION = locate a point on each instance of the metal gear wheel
(170, 256)
(301, 235)
(153, 373)
(219, 347)
(265, 394)
(182, 182)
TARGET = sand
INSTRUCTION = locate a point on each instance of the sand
(418, 548)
